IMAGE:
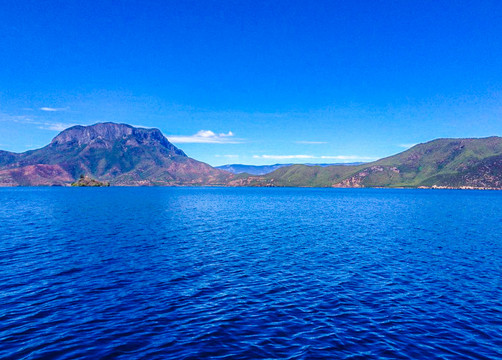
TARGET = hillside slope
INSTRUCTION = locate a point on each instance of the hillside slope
(454, 163)
(124, 155)
(117, 153)
(266, 169)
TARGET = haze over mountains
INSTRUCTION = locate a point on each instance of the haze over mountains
(125, 155)
(266, 169)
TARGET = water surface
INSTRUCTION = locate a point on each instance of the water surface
(249, 273)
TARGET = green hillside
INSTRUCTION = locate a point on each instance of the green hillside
(439, 163)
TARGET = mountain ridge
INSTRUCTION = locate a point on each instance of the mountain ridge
(440, 163)
(124, 155)
(266, 169)
(118, 153)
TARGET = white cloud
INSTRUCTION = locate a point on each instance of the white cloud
(53, 109)
(283, 157)
(32, 146)
(227, 156)
(311, 142)
(349, 157)
(341, 158)
(407, 146)
(22, 119)
(205, 137)
(141, 126)
(55, 126)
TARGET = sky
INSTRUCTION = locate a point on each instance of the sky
(254, 82)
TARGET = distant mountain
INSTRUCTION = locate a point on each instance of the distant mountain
(124, 155)
(250, 169)
(442, 163)
(117, 153)
(265, 169)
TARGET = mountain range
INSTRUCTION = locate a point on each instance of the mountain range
(266, 169)
(441, 163)
(125, 155)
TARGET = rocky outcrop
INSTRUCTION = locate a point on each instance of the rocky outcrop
(86, 181)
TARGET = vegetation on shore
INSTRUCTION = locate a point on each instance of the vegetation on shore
(127, 156)
(441, 163)
(86, 181)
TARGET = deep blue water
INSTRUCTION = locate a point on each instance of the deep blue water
(243, 273)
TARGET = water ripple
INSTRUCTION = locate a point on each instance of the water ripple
(191, 273)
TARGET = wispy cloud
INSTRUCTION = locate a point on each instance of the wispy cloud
(15, 118)
(45, 108)
(44, 125)
(341, 158)
(205, 137)
(32, 146)
(54, 126)
(227, 156)
(142, 126)
(283, 157)
(311, 142)
(407, 146)
(350, 157)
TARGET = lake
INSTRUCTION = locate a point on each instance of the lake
(250, 273)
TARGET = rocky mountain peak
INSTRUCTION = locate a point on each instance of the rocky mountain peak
(86, 134)
(111, 133)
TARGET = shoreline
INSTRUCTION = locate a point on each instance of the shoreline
(247, 186)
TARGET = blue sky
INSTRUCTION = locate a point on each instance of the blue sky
(254, 82)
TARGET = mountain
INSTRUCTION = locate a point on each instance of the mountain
(251, 169)
(124, 155)
(441, 163)
(117, 153)
(265, 169)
